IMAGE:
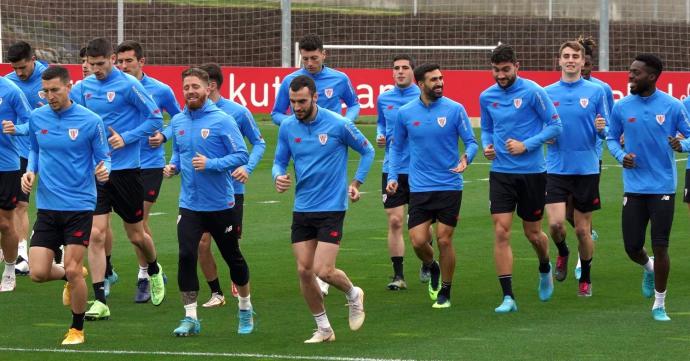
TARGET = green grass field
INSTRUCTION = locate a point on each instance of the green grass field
(614, 324)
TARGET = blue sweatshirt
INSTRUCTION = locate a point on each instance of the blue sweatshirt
(65, 146)
(14, 107)
(686, 142)
(431, 134)
(647, 122)
(575, 149)
(248, 128)
(387, 107)
(319, 153)
(33, 91)
(212, 133)
(609, 103)
(332, 86)
(164, 98)
(123, 104)
(521, 112)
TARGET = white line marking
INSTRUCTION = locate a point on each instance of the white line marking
(268, 202)
(157, 213)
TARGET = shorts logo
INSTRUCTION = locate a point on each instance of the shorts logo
(138, 213)
(205, 132)
(441, 121)
(78, 234)
(152, 192)
(660, 118)
(685, 192)
(110, 96)
(517, 102)
(228, 229)
(596, 201)
(41, 94)
(537, 212)
(384, 197)
(625, 201)
(334, 234)
(73, 133)
(584, 102)
(328, 92)
(323, 138)
(665, 198)
(179, 216)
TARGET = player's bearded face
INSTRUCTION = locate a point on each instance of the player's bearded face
(195, 92)
(57, 93)
(101, 66)
(505, 73)
(433, 84)
(303, 103)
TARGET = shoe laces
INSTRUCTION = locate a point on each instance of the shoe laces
(246, 318)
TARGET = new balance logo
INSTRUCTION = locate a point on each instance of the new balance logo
(666, 198)
(228, 229)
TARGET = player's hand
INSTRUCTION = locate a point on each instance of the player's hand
(8, 127)
(462, 165)
(629, 160)
(680, 136)
(240, 174)
(381, 141)
(101, 172)
(115, 139)
(599, 123)
(622, 140)
(674, 142)
(515, 147)
(28, 182)
(169, 170)
(392, 187)
(551, 141)
(490, 152)
(156, 140)
(199, 162)
(283, 183)
(353, 191)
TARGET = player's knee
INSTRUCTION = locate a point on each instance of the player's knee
(39, 277)
(502, 234)
(5, 225)
(395, 222)
(633, 252)
(73, 272)
(444, 242)
(534, 236)
(305, 273)
(556, 227)
(582, 232)
(325, 273)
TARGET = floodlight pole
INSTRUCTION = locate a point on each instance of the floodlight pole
(604, 35)
(285, 33)
(120, 21)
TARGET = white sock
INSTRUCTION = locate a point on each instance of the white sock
(322, 321)
(649, 266)
(9, 268)
(190, 310)
(22, 250)
(352, 294)
(245, 303)
(659, 298)
(143, 272)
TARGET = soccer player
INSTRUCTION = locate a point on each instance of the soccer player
(66, 141)
(387, 107)
(131, 60)
(27, 76)
(517, 118)
(76, 93)
(650, 120)
(129, 114)
(572, 162)
(14, 109)
(317, 141)
(207, 145)
(433, 122)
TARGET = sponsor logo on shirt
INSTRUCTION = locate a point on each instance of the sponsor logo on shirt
(416, 123)
(323, 138)
(298, 140)
(389, 107)
(73, 133)
(441, 121)
(44, 131)
(494, 104)
(205, 132)
(555, 104)
(631, 120)
(328, 92)
(181, 132)
(110, 96)
(517, 102)
(660, 118)
(87, 96)
(584, 102)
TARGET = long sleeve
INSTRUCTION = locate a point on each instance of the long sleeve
(99, 143)
(467, 136)
(487, 126)
(282, 154)
(552, 122)
(614, 135)
(604, 111)
(152, 119)
(278, 114)
(357, 141)
(398, 144)
(238, 154)
(380, 119)
(251, 131)
(32, 165)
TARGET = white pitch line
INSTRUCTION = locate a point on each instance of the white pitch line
(214, 354)
(268, 202)
(157, 213)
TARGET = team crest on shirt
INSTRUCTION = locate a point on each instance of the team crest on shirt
(110, 96)
(517, 102)
(660, 118)
(328, 92)
(41, 94)
(441, 121)
(323, 138)
(205, 132)
(73, 133)
(584, 102)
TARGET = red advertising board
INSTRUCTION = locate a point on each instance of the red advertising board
(257, 87)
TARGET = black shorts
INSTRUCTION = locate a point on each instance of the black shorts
(238, 209)
(10, 185)
(124, 193)
(642, 209)
(222, 225)
(53, 229)
(21, 196)
(686, 198)
(152, 179)
(442, 206)
(400, 197)
(584, 190)
(526, 191)
(322, 226)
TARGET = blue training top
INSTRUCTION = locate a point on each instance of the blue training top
(387, 107)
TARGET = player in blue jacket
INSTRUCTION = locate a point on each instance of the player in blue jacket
(334, 87)
(67, 140)
(317, 140)
(517, 118)
(207, 145)
(650, 120)
(572, 162)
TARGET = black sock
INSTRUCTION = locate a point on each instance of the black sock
(153, 268)
(77, 321)
(544, 267)
(435, 274)
(215, 286)
(445, 290)
(586, 267)
(58, 255)
(563, 250)
(506, 285)
(398, 267)
(108, 267)
(99, 291)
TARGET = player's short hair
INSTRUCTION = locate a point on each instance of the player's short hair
(572, 44)
(99, 47)
(310, 42)
(588, 44)
(652, 62)
(503, 53)
(129, 45)
(18, 51)
(303, 81)
(82, 52)
(197, 72)
(420, 71)
(214, 73)
(404, 57)
(56, 71)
